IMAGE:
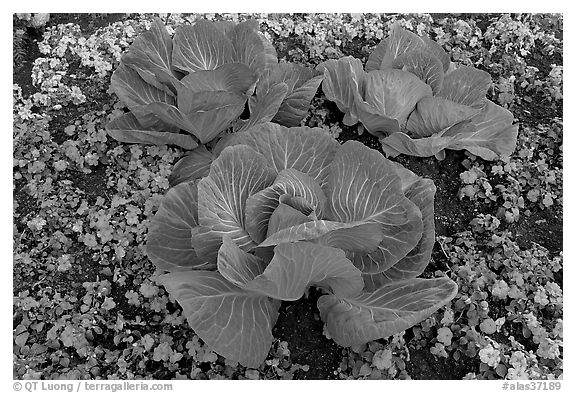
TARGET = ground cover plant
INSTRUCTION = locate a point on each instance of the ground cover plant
(89, 302)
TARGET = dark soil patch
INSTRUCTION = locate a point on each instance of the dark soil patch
(543, 227)
(299, 324)
(424, 365)
(451, 214)
(92, 184)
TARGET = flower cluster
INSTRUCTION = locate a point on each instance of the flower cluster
(523, 289)
(49, 75)
(532, 177)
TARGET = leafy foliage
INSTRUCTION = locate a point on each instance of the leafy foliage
(417, 101)
(281, 209)
(200, 81)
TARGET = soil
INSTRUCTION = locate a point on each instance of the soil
(543, 227)
(299, 324)
(423, 365)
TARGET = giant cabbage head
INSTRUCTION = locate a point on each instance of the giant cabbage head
(417, 102)
(282, 209)
(187, 89)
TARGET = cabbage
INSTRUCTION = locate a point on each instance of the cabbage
(417, 102)
(276, 210)
(189, 89)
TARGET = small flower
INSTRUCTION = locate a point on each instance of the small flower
(36, 223)
(445, 336)
(540, 297)
(64, 263)
(500, 289)
(517, 373)
(488, 326)
(553, 289)
(39, 20)
(558, 330)
(490, 355)
(90, 240)
(108, 303)
(518, 360)
(60, 165)
(469, 177)
(382, 359)
(133, 298)
(548, 349)
(148, 290)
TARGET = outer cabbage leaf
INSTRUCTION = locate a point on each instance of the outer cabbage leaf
(128, 129)
(488, 134)
(435, 114)
(236, 174)
(466, 85)
(384, 312)
(372, 194)
(296, 266)
(438, 52)
(224, 25)
(204, 114)
(249, 47)
(194, 165)
(264, 107)
(342, 82)
(375, 58)
(236, 265)
(200, 47)
(308, 150)
(136, 94)
(206, 242)
(494, 135)
(399, 42)
(231, 77)
(168, 244)
(424, 65)
(389, 97)
(361, 238)
(302, 84)
(421, 192)
(236, 323)
(400, 143)
(151, 56)
(270, 57)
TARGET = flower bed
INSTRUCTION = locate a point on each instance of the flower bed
(86, 300)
